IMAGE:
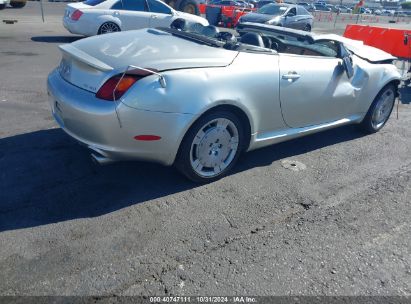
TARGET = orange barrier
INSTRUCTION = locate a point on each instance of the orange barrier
(386, 39)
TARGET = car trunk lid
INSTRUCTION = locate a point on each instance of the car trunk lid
(88, 63)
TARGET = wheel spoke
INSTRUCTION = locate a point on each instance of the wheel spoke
(198, 137)
(223, 123)
(217, 169)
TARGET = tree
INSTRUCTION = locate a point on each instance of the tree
(406, 5)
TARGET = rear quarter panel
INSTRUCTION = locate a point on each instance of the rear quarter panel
(250, 83)
(94, 18)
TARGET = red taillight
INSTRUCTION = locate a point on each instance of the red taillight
(147, 137)
(76, 15)
(109, 91)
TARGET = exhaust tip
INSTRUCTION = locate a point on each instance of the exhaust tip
(101, 160)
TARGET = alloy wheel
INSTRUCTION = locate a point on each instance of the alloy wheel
(214, 147)
(383, 109)
(109, 27)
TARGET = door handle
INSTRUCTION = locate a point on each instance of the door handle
(291, 76)
(154, 16)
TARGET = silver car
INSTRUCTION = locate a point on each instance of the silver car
(197, 98)
(287, 15)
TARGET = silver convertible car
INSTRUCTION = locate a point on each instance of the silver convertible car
(197, 98)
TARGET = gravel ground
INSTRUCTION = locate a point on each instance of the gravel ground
(339, 226)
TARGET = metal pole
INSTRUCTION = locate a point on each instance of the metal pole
(42, 10)
(336, 17)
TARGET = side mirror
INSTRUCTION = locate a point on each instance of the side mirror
(348, 67)
(346, 60)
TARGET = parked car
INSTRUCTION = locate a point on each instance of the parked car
(261, 3)
(400, 14)
(245, 4)
(93, 17)
(287, 15)
(386, 13)
(308, 6)
(362, 10)
(198, 100)
(322, 7)
(231, 3)
(252, 2)
(3, 4)
(344, 9)
(332, 8)
(18, 3)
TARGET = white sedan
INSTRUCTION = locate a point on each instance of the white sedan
(93, 17)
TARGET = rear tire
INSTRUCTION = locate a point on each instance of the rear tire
(188, 6)
(211, 147)
(2, 6)
(17, 4)
(108, 27)
(380, 110)
(307, 28)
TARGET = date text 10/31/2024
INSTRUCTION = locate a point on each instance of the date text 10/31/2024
(200, 299)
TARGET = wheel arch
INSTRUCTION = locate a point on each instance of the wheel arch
(241, 113)
(365, 124)
(393, 81)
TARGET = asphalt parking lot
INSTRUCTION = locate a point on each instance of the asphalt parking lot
(340, 227)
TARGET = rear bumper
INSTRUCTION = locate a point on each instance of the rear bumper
(76, 27)
(94, 123)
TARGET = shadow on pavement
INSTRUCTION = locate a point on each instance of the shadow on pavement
(46, 177)
(56, 39)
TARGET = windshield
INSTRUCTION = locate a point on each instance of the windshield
(272, 9)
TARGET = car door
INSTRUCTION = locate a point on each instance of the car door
(161, 15)
(291, 18)
(314, 90)
(132, 13)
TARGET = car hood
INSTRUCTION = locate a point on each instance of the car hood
(149, 48)
(358, 47)
(256, 17)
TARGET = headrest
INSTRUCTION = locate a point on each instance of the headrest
(253, 39)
